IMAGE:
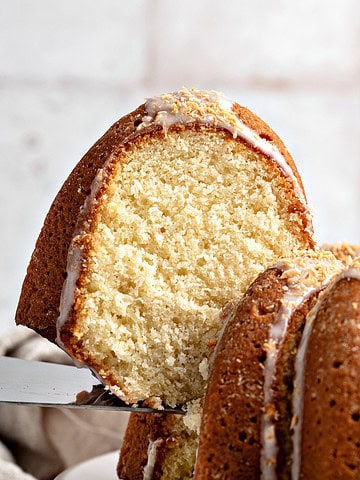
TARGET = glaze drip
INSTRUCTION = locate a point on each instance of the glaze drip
(151, 458)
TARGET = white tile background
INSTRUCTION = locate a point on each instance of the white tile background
(69, 69)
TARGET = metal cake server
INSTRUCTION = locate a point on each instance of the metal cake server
(27, 382)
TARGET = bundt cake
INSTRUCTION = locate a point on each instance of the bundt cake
(283, 400)
(279, 410)
(171, 214)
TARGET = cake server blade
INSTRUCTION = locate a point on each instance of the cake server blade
(28, 382)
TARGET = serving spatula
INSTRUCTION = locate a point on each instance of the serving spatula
(28, 382)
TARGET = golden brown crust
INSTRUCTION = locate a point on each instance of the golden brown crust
(331, 416)
(38, 306)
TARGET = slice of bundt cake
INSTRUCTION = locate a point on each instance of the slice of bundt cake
(171, 214)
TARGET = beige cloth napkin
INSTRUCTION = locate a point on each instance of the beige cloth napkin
(44, 441)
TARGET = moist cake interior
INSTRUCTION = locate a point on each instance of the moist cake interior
(183, 224)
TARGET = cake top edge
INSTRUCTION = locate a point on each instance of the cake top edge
(213, 109)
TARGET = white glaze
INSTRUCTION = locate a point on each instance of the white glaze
(350, 273)
(73, 268)
(151, 458)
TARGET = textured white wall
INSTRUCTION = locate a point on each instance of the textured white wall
(69, 69)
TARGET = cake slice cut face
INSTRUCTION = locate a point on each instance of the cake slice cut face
(184, 213)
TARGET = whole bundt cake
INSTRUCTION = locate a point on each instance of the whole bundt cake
(171, 214)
